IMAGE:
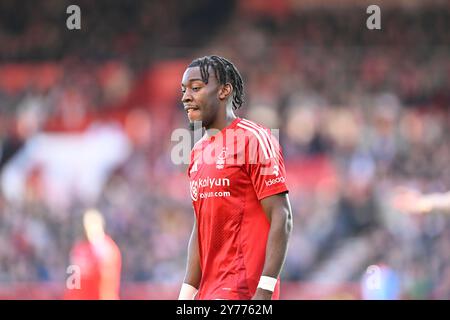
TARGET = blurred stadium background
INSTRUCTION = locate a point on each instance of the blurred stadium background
(86, 118)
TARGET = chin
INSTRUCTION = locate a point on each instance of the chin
(195, 124)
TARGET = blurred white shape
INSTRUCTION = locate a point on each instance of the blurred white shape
(74, 166)
(380, 282)
(373, 277)
(31, 114)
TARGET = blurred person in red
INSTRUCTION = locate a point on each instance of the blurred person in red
(243, 217)
(96, 263)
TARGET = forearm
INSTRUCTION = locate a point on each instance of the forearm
(193, 274)
(193, 271)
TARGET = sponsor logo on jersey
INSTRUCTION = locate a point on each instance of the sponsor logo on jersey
(208, 183)
(270, 182)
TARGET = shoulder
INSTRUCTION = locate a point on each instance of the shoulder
(254, 130)
(113, 246)
(81, 245)
(259, 136)
(81, 249)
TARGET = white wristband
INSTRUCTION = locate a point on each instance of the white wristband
(187, 292)
(267, 283)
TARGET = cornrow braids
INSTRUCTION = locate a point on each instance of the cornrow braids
(225, 72)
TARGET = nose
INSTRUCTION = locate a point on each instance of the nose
(187, 97)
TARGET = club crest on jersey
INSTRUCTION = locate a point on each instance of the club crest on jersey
(194, 191)
(220, 162)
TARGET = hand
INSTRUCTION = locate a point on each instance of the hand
(262, 294)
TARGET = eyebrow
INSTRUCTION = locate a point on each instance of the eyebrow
(192, 80)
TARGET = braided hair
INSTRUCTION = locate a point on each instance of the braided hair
(225, 72)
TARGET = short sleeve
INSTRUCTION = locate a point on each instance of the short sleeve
(265, 164)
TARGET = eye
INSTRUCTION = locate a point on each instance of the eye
(183, 90)
(195, 89)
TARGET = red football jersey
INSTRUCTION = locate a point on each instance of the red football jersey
(95, 261)
(230, 173)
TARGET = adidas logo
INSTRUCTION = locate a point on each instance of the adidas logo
(194, 167)
(274, 181)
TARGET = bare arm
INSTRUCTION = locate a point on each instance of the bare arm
(279, 213)
(193, 272)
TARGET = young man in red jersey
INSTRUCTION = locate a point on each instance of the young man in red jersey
(243, 217)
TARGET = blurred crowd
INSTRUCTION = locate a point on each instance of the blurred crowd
(359, 113)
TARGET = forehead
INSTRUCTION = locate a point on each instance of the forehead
(193, 73)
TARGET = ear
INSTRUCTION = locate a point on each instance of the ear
(225, 91)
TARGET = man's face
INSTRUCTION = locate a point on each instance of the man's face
(200, 100)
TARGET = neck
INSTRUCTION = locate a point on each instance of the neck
(225, 116)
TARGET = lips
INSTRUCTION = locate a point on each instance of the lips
(189, 108)
(193, 112)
